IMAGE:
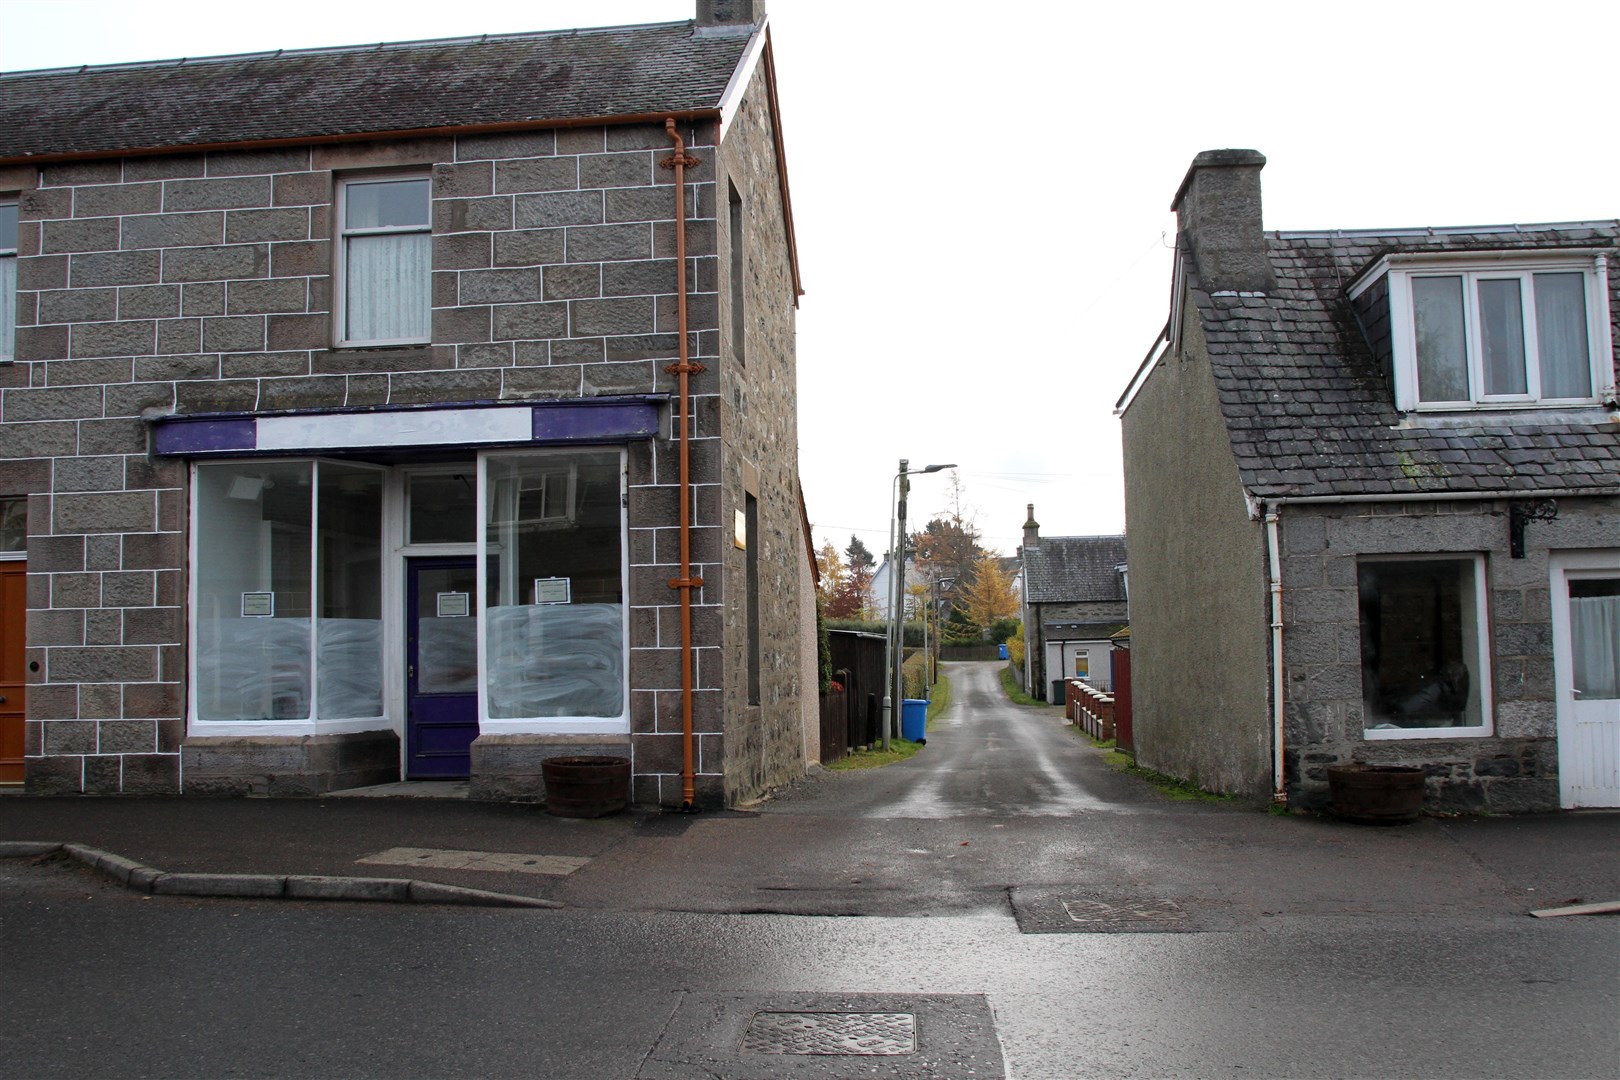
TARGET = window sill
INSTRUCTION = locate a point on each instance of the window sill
(1431, 733)
(1518, 414)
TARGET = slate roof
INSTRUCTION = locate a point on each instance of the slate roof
(1310, 411)
(331, 93)
(1074, 569)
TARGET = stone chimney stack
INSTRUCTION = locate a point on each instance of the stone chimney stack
(1032, 529)
(739, 13)
(1218, 220)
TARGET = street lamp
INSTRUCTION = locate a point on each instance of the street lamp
(894, 653)
(933, 608)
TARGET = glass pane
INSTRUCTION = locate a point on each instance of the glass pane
(447, 632)
(253, 591)
(1501, 335)
(384, 203)
(387, 296)
(1442, 351)
(443, 508)
(1419, 644)
(13, 524)
(8, 306)
(8, 226)
(348, 635)
(1566, 364)
(555, 615)
(1594, 634)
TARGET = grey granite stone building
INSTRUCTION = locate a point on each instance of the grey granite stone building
(1373, 507)
(1072, 603)
(403, 411)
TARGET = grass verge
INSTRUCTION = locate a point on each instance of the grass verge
(899, 749)
(1009, 683)
(877, 757)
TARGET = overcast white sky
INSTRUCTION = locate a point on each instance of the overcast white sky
(981, 190)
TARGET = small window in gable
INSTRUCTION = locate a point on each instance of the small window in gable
(384, 260)
(1502, 333)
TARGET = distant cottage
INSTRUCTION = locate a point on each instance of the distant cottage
(351, 432)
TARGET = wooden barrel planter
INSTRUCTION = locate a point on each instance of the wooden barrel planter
(586, 786)
(1376, 794)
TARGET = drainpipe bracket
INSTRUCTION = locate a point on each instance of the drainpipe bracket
(680, 161)
(686, 583)
(690, 368)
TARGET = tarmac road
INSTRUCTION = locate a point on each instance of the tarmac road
(1037, 914)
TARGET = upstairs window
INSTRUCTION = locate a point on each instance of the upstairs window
(1470, 335)
(385, 257)
(8, 281)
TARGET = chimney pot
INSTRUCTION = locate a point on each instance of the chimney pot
(1218, 216)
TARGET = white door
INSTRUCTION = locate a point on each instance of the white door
(1586, 656)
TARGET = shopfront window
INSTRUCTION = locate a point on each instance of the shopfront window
(287, 610)
(554, 573)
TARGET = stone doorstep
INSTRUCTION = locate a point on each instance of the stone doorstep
(155, 882)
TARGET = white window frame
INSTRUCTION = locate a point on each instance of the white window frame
(551, 725)
(340, 291)
(1482, 675)
(8, 333)
(1472, 269)
(313, 725)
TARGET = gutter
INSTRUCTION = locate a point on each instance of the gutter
(684, 116)
(1279, 787)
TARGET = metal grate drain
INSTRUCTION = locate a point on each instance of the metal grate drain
(813, 1033)
(1123, 913)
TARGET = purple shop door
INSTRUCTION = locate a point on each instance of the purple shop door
(441, 674)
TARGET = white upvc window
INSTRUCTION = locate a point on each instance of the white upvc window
(8, 281)
(384, 260)
(1425, 646)
(1501, 332)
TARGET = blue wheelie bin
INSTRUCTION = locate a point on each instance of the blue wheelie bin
(914, 720)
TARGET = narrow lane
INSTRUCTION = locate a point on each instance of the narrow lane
(985, 757)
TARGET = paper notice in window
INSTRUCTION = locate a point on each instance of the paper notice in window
(453, 605)
(258, 605)
(552, 590)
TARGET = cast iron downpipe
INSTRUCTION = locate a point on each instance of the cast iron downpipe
(679, 161)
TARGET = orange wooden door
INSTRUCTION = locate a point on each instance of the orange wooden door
(13, 634)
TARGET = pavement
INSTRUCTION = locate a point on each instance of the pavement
(1005, 811)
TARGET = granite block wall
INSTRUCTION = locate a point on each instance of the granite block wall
(200, 283)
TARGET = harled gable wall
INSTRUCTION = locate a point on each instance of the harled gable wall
(1199, 607)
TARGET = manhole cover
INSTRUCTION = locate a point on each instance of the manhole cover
(870, 1034)
(1119, 913)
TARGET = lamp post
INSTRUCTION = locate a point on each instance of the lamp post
(894, 659)
(940, 585)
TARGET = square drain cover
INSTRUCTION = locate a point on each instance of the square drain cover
(874, 1034)
(790, 1035)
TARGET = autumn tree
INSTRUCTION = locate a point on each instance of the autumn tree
(833, 575)
(990, 595)
(848, 601)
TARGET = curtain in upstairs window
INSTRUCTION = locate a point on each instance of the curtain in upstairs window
(8, 306)
(1566, 364)
(1501, 332)
(1442, 350)
(388, 283)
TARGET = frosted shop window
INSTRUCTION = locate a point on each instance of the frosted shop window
(554, 567)
(287, 595)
